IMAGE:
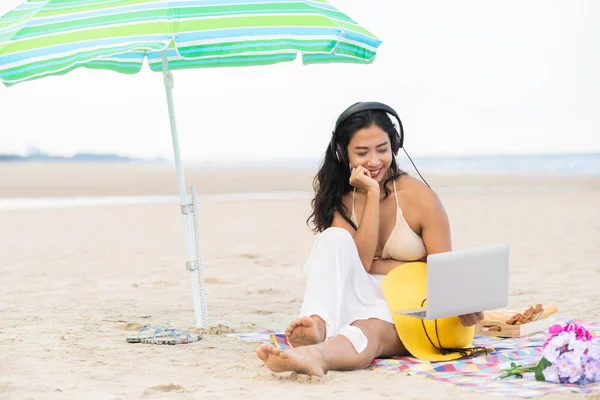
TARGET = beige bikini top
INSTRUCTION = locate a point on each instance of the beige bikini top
(403, 244)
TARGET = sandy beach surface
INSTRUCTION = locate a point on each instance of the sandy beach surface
(76, 281)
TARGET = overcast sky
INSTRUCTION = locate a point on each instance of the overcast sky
(467, 77)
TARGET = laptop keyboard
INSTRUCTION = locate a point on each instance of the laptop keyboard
(418, 314)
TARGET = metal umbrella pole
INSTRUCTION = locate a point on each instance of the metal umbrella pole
(193, 261)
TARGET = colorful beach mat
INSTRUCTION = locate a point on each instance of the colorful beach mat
(478, 373)
(481, 373)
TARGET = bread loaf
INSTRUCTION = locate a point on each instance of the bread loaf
(530, 314)
(548, 311)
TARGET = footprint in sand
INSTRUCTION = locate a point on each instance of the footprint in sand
(214, 281)
(266, 262)
(5, 387)
(300, 378)
(519, 292)
(131, 326)
(162, 284)
(262, 312)
(250, 256)
(219, 329)
(165, 388)
(265, 291)
(259, 259)
(155, 284)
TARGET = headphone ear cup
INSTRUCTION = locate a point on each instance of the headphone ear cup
(397, 143)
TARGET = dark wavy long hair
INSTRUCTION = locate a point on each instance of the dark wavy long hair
(332, 179)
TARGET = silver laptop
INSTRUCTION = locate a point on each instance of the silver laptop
(464, 281)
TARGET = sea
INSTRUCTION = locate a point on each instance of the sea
(567, 165)
(557, 165)
(560, 165)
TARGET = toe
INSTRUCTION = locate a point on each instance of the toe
(261, 352)
(272, 350)
(289, 329)
(293, 325)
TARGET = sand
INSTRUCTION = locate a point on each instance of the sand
(75, 282)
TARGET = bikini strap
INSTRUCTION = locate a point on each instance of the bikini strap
(396, 194)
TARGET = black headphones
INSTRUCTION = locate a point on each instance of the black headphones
(397, 139)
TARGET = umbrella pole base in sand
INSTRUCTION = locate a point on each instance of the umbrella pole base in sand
(193, 253)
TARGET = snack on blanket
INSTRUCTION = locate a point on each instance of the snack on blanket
(525, 317)
(549, 310)
(530, 314)
(514, 319)
(537, 312)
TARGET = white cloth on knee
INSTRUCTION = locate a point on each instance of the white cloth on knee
(356, 337)
(338, 289)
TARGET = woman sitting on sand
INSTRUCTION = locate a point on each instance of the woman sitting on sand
(369, 217)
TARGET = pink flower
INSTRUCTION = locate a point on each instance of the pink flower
(583, 334)
(555, 329)
(579, 331)
(552, 331)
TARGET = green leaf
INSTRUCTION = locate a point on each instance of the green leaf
(542, 365)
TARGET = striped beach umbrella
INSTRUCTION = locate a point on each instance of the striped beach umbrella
(52, 37)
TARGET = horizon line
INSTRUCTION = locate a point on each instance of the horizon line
(124, 157)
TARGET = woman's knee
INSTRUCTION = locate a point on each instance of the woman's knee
(382, 338)
(366, 336)
(362, 346)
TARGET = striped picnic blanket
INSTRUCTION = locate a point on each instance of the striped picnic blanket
(478, 373)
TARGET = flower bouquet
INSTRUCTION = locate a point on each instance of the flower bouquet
(568, 356)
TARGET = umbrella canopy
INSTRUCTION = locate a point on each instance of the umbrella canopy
(52, 37)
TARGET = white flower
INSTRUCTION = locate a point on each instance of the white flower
(562, 339)
(551, 352)
(563, 366)
(550, 374)
(594, 352)
(579, 348)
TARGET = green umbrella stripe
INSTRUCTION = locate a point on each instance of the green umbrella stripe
(59, 26)
(234, 61)
(131, 50)
(43, 37)
(175, 62)
(40, 53)
(99, 7)
(160, 26)
(305, 46)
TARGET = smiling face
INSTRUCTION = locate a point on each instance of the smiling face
(371, 148)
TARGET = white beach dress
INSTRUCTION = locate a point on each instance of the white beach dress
(338, 289)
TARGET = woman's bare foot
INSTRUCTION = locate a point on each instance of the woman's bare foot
(299, 360)
(306, 331)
